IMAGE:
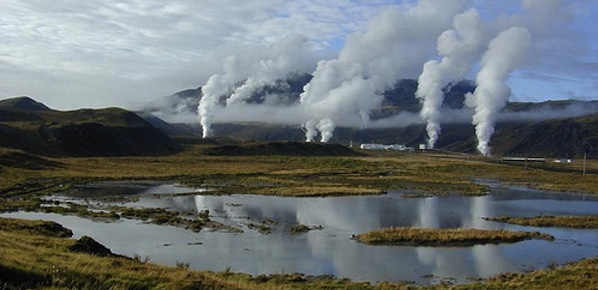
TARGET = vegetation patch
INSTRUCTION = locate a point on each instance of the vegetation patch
(580, 222)
(19, 159)
(162, 216)
(301, 228)
(455, 237)
(579, 275)
(38, 227)
(261, 228)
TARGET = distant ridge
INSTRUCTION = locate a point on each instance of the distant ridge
(23, 103)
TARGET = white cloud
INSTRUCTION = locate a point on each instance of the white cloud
(115, 52)
(106, 52)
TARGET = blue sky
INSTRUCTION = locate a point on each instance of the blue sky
(100, 53)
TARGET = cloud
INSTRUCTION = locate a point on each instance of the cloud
(394, 45)
(148, 48)
(99, 53)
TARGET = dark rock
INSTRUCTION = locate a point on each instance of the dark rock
(90, 246)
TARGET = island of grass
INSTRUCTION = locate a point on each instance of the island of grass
(578, 222)
(408, 236)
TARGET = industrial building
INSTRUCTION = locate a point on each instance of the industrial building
(395, 147)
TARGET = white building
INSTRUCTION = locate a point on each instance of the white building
(373, 146)
(396, 147)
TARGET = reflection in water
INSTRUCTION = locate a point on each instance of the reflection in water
(331, 251)
(428, 209)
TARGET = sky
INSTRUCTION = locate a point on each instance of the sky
(99, 53)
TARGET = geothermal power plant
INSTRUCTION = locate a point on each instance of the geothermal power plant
(442, 42)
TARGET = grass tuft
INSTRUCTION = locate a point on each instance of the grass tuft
(445, 237)
(580, 222)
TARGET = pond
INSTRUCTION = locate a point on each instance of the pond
(330, 250)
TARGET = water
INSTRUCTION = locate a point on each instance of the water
(120, 188)
(331, 249)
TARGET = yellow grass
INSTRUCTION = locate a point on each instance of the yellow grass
(550, 221)
(433, 173)
(444, 237)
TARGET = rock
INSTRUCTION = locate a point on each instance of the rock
(90, 246)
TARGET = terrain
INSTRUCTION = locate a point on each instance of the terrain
(554, 129)
(445, 237)
(44, 151)
(558, 129)
(32, 127)
(32, 259)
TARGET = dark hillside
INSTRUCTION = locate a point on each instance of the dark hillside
(564, 138)
(558, 138)
(26, 125)
(24, 104)
(19, 159)
(282, 149)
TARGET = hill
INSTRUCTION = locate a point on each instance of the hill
(281, 149)
(566, 137)
(558, 138)
(32, 127)
(23, 104)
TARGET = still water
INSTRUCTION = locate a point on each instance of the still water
(331, 251)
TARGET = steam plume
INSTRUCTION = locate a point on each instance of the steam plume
(506, 52)
(459, 48)
(216, 86)
(291, 55)
(286, 55)
(394, 45)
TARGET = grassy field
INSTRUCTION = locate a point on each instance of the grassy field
(580, 222)
(36, 255)
(445, 237)
(434, 173)
(36, 259)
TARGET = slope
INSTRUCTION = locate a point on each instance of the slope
(32, 127)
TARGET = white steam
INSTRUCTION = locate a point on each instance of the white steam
(398, 43)
(286, 55)
(394, 45)
(254, 71)
(506, 52)
(216, 86)
(459, 48)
